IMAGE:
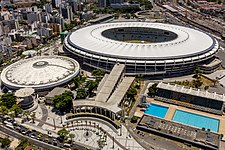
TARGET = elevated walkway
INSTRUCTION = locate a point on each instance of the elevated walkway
(111, 83)
(102, 82)
(121, 91)
(170, 112)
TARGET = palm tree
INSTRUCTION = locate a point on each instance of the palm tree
(33, 116)
(26, 113)
(198, 72)
(71, 136)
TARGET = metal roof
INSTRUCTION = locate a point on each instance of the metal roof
(40, 72)
(189, 42)
(191, 91)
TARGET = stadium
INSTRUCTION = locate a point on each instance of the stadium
(144, 48)
(40, 73)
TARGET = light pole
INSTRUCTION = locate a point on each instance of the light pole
(113, 143)
(54, 123)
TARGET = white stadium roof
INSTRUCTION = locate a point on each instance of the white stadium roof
(189, 42)
(40, 72)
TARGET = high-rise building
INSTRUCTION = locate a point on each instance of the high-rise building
(34, 16)
(103, 3)
(116, 1)
(44, 32)
(75, 4)
(56, 3)
(66, 11)
(48, 8)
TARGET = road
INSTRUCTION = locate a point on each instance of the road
(33, 141)
(138, 100)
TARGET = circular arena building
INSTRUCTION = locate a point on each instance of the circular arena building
(145, 48)
(40, 73)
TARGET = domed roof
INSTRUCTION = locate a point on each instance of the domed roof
(40, 72)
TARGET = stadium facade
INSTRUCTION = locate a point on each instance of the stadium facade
(145, 48)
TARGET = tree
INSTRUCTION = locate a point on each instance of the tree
(63, 102)
(26, 113)
(197, 83)
(77, 81)
(91, 85)
(33, 116)
(17, 109)
(131, 93)
(146, 3)
(5, 142)
(98, 72)
(12, 115)
(198, 72)
(152, 90)
(8, 100)
(71, 136)
(134, 119)
(3, 110)
(23, 143)
(63, 133)
(81, 93)
(116, 16)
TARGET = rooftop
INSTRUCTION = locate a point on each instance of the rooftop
(40, 72)
(110, 83)
(90, 40)
(24, 92)
(56, 91)
(121, 91)
(191, 91)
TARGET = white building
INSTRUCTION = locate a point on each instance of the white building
(40, 73)
(145, 48)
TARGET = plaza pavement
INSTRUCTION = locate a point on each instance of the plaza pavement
(80, 129)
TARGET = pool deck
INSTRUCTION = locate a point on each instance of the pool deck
(222, 127)
(172, 108)
(170, 112)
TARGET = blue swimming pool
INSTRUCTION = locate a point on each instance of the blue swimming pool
(156, 110)
(196, 120)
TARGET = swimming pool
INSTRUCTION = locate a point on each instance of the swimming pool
(196, 120)
(156, 110)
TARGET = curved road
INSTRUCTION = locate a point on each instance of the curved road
(33, 141)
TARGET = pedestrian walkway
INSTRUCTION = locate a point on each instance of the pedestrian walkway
(123, 137)
(44, 114)
(46, 120)
(170, 112)
(222, 127)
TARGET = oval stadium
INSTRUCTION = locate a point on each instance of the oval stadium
(144, 48)
(40, 73)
